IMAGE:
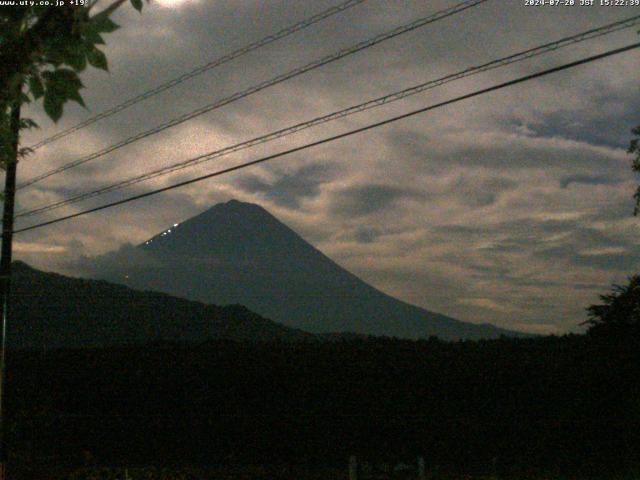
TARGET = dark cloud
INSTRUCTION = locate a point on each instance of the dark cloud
(289, 189)
(586, 180)
(481, 192)
(364, 200)
(110, 264)
(366, 234)
(603, 119)
(608, 261)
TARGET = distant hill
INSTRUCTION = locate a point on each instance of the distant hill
(238, 253)
(52, 311)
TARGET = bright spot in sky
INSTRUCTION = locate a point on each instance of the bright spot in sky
(175, 224)
(172, 3)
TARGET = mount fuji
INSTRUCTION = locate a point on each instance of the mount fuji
(238, 253)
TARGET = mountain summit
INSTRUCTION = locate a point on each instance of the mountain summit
(238, 253)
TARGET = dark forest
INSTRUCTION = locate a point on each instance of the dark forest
(552, 405)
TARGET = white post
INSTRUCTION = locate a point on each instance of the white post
(421, 472)
(353, 468)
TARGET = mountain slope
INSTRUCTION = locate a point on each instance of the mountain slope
(51, 310)
(238, 253)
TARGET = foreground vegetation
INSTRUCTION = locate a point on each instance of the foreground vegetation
(279, 472)
(526, 407)
(545, 407)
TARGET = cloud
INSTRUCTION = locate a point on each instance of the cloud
(32, 247)
(567, 180)
(605, 118)
(110, 264)
(289, 189)
(479, 192)
(364, 200)
(488, 304)
(366, 234)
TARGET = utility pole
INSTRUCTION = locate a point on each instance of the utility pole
(5, 263)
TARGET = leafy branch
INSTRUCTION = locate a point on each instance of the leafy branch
(42, 51)
(634, 147)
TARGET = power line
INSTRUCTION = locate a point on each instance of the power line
(285, 32)
(386, 99)
(339, 136)
(263, 85)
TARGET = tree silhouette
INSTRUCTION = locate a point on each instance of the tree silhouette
(43, 48)
(619, 314)
(634, 147)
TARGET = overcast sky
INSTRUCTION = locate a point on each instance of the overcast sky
(513, 208)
